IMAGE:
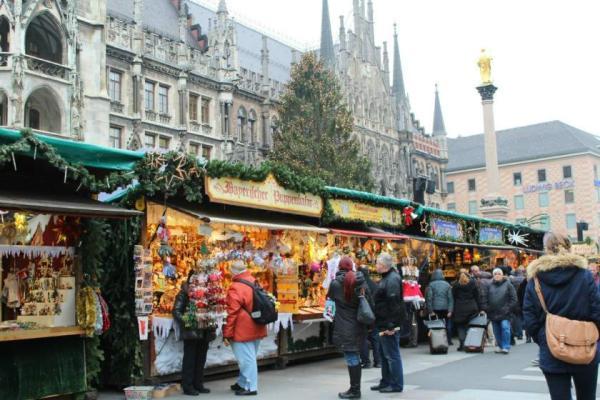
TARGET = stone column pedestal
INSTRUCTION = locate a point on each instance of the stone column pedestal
(493, 205)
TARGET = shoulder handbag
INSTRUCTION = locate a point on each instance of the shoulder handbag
(364, 315)
(569, 340)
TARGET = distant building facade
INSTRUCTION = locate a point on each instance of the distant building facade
(176, 75)
(549, 170)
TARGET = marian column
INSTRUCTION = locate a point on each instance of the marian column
(493, 205)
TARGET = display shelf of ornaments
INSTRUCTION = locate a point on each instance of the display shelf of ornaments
(58, 306)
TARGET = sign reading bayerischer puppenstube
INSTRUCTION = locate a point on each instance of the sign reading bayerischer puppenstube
(266, 195)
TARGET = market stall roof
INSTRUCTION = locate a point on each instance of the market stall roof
(262, 220)
(393, 201)
(61, 204)
(371, 233)
(88, 155)
(475, 245)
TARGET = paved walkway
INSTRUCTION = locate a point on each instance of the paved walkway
(455, 376)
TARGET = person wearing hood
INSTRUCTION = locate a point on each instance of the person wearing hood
(499, 302)
(439, 300)
(195, 342)
(467, 304)
(569, 291)
(348, 333)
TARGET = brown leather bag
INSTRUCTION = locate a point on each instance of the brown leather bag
(569, 340)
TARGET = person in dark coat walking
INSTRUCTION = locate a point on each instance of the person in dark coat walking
(521, 298)
(517, 319)
(390, 314)
(440, 301)
(467, 305)
(195, 344)
(499, 301)
(372, 336)
(569, 291)
(348, 333)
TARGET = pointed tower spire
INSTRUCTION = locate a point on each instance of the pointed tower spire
(386, 66)
(398, 89)
(222, 7)
(327, 51)
(439, 129)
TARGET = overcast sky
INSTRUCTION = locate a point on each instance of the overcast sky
(546, 53)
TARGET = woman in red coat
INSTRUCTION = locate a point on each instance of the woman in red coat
(241, 331)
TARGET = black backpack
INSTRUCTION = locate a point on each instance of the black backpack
(263, 305)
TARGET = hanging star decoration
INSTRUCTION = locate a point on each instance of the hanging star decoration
(518, 238)
(180, 173)
(424, 226)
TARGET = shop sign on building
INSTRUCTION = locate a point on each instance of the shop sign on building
(352, 210)
(490, 234)
(446, 230)
(584, 249)
(545, 187)
(267, 195)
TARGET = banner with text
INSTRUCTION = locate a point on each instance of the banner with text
(267, 195)
(352, 210)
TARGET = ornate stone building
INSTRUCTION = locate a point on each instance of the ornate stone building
(406, 162)
(173, 74)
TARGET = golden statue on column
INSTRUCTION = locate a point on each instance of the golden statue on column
(485, 67)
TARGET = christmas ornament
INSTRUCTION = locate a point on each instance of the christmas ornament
(517, 238)
(424, 226)
(409, 215)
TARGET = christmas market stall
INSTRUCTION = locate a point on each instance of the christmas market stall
(51, 247)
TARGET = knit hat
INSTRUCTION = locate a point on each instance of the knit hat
(237, 267)
(346, 264)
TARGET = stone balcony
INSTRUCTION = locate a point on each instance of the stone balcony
(47, 67)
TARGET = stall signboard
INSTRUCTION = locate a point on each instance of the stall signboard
(352, 210)
(583, 249)
(446, 230)
(266, 195)
(490, 234)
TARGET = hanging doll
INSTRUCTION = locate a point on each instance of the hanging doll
(410, 285)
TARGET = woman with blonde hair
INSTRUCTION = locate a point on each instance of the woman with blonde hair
(466, 305)
(568, 290)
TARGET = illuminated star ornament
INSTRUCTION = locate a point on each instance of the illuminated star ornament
(424, 226)
(518, 238)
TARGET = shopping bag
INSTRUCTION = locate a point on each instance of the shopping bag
(365, 315)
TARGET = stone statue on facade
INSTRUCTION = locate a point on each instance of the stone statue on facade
(485, 67)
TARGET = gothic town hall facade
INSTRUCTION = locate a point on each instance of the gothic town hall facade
(178, 75)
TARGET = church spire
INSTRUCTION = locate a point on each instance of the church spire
(439, 129)
(222, 7)
(327, 51)
(398, 89)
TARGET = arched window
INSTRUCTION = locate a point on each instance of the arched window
(252, 127)
(42, 111)
(241, 124)
(43, 39)
(4, 37)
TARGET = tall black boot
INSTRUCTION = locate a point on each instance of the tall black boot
(355, 373)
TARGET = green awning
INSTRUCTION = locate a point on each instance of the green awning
(88, 155)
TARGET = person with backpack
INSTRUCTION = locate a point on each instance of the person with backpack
(561, 312)
(241, 331)
(348, 332)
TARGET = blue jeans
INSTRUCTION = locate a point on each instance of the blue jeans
(245, 353)
(391, 363)
(502, 333)
(373, 338)
(352, 358)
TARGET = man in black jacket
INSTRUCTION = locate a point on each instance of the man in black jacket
(389, 315)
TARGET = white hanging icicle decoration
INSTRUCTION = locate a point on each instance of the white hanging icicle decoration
(36, 251)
